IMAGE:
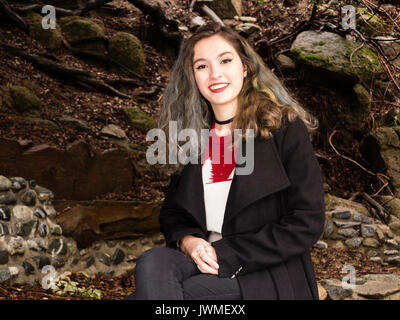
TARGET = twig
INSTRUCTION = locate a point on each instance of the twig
(212, 15)
(13, 16)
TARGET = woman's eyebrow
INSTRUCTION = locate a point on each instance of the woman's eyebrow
(221, 54)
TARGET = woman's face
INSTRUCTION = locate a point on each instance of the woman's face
(219, 73)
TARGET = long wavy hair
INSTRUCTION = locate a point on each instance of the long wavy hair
(263, 101)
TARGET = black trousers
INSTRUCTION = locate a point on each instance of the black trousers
(163, 273)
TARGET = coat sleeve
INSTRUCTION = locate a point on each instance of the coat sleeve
(297, 229)
(174, 222)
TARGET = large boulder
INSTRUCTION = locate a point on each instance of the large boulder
(139, 120)
(49, 38)
(79, 28)
(127, 50)
(334, 59)
(23, 99)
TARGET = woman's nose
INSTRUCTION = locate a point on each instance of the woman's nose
(215, 72)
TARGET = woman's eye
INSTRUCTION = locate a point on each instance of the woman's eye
(200, 67)
(229, 60)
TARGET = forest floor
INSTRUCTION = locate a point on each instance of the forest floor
(97, 109)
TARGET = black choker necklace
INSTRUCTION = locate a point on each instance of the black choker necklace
(224, 122)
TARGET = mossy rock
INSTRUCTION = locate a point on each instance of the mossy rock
(78, 28)
(49, 38)
(139, 120)
(368, 23)
(127, 50)
(339, 58)
(24, 100)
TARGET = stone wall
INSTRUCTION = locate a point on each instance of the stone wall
(30, 239)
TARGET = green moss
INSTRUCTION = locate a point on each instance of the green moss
(24, 99)
(49, 38)
(311, 58)
(137, 119)
(127, 50)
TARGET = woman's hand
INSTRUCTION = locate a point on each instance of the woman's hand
(202, 253)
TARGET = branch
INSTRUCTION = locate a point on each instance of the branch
(14, 17)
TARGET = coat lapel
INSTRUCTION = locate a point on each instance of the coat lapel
(268, 177)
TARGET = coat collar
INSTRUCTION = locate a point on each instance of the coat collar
(268, 177)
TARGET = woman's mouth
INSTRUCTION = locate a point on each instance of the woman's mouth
(219, 87)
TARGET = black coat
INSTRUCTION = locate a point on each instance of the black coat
(272, 217)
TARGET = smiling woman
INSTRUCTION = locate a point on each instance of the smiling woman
(231, 235)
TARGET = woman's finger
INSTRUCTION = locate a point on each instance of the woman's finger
(207, 258)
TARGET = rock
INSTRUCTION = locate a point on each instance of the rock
(24, 100)
(40, 213)
(28, 268)
(360, 217)
(127, 50)
(346, 224)
(55, 230)
(57, 246)
(73, 123)
(3, 256)
(16, 246)
(103, 258)
(335, 289)
(49, 38)
(43, 229)
(7, 198)
(25, 227)
(369, 23)
(5, 213)
(363, 96)
(395, 259)
(36, 244)
(113, 131)
(328, 228)
(28, 197)
(341, 214)
(224, 9)
(247, 28)
(137, 119)
(368, 230)
(348, 232)
(89, 261)
(41, 261)
(5, 184)
(22, 212)
(57, 261)
(285, 63)
(329, 55)
(354, 242)
(4, 229)
(79, 28)
(118, 256)
(5, 275)
(196, 22)
(371, 242)
(44, 194)
(378, 286)
(393, 203)
(322, 292)
(13, 271)
(247, 19)
(390, 252)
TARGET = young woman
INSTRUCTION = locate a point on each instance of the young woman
(229, 235)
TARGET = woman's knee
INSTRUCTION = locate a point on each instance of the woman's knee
(154, 257)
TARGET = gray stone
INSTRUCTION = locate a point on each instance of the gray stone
(111, 243)
(36, 244)
(103, 258)
(378, 286)
(346, 224)
(371, 242)
(57, 246)
(13, 271)
(18, 183)
(320, 244)
(24, 228)
(335, 289)
(4, 229)
(41, 261)
(348, 232)
(5, 213)
(56, 230)
(40, 212)
(57, 262)
(113, 131)
(28, 267)
(8, 198)
(342, 214)
(3, 256)
(5, 275)
(44, 194)
(328, 228)
(368, 230)
(118, 256)
(22, 212)
(89, 261)
(28, 197)
(16, 246)
(362, 218)
(395, 259)
(5, 183)
(354, 242)
(390, 252)
(43, 229)
(376, 259)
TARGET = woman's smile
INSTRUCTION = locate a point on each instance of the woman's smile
(218, 87)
